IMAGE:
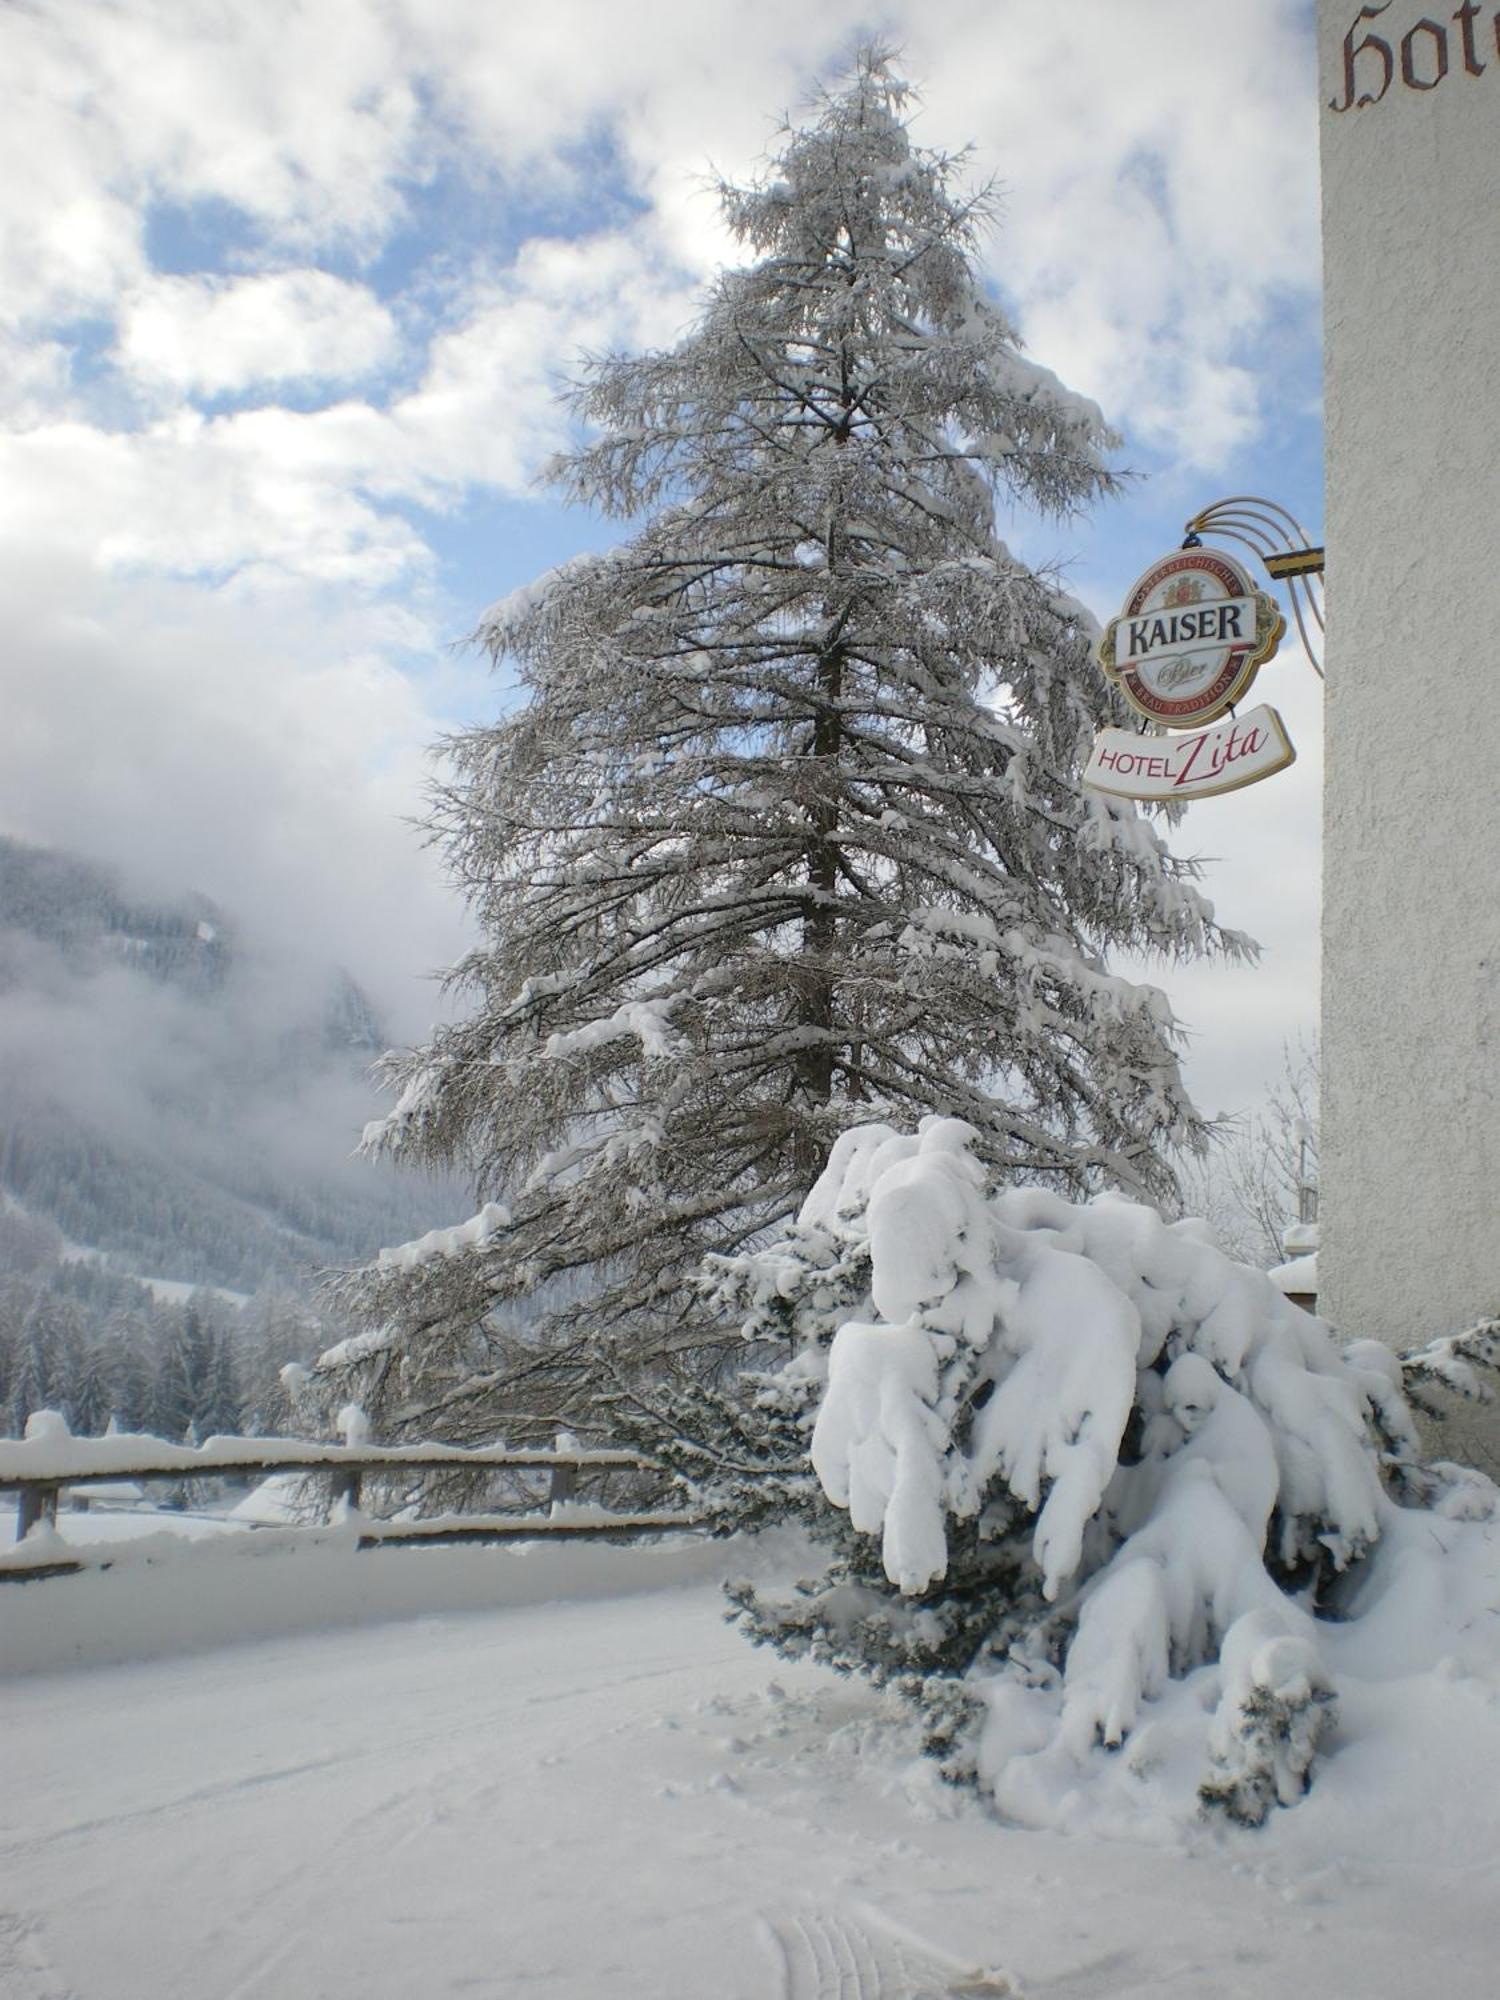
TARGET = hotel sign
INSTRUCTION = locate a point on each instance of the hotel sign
(1220, 758)
(1194, 633)
(1422, 58)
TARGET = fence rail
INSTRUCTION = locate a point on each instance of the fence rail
(40, 1469)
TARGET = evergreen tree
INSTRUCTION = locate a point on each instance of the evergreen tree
(186, 1383)
(278, 1327)
(222, 1406)
(17, 1297)
(90, 1400)
(66, 1334)
(34, 1382)
(126, 1340)
(787, 832)
(1078, 1471)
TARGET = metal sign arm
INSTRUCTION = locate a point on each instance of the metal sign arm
(1284, 547)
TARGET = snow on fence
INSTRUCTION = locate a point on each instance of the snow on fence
(48, 1462)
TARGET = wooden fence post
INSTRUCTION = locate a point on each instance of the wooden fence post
(33, 1504)
(343, 1493)
(564, 1483)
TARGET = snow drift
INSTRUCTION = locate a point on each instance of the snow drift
(1192, 1507)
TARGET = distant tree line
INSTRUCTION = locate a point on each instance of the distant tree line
(98, 1345)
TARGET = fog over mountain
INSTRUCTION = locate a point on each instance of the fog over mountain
(178, 1097)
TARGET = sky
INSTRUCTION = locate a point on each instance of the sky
(286, 293)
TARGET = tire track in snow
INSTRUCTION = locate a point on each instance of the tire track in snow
(460, 1728)
(205, 1795)
(448, 1790)
(825, 1956)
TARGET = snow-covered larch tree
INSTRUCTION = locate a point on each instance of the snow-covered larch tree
(787, 830)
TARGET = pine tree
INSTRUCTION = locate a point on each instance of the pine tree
(90, 1400)
(278, 1327)
(223, 1403)
(787, 832)
(34, 1382)
(185, 1379)
(129, 1352)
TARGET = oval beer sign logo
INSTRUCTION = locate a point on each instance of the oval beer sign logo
(1194, 633)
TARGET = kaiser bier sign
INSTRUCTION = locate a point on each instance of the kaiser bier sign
(1194, 633)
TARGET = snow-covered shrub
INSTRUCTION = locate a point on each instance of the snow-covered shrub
(735, 1451)
(1269, 1720)
(1096, 1488)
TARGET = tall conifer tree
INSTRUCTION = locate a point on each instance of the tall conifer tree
(786, 833)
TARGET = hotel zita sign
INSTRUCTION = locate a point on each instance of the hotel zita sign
(1194, 633)
(1221, 758)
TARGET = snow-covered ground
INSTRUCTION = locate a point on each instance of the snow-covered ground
(582, 1795)
(171, 1291)
(99, 1525)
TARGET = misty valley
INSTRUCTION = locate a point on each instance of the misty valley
(178, 1112)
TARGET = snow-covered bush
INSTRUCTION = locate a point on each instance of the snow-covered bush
(1096, 1488)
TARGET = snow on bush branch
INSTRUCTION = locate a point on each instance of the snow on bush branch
(1183, 1471)
(1450, 1361)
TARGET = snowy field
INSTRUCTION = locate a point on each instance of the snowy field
(597, 1789)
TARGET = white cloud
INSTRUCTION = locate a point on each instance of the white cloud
(311, 492)
(188, 495)
(35, 380)
(1160, 166)
(224, 335)
(1160, 172)
(304, 120)
(1161, 177)
(268, 753)
(486, 411)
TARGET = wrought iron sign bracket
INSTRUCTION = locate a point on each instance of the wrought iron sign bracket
(1287, 553)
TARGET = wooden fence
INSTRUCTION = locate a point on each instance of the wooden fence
(39, 1470)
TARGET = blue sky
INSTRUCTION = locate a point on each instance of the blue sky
(285, 290)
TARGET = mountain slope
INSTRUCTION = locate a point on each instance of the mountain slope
(176, 1099)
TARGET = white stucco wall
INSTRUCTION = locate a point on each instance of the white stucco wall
(1410, 1154)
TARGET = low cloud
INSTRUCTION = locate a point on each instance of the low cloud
(268, 753)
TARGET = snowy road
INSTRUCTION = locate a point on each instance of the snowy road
(619, 1798)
